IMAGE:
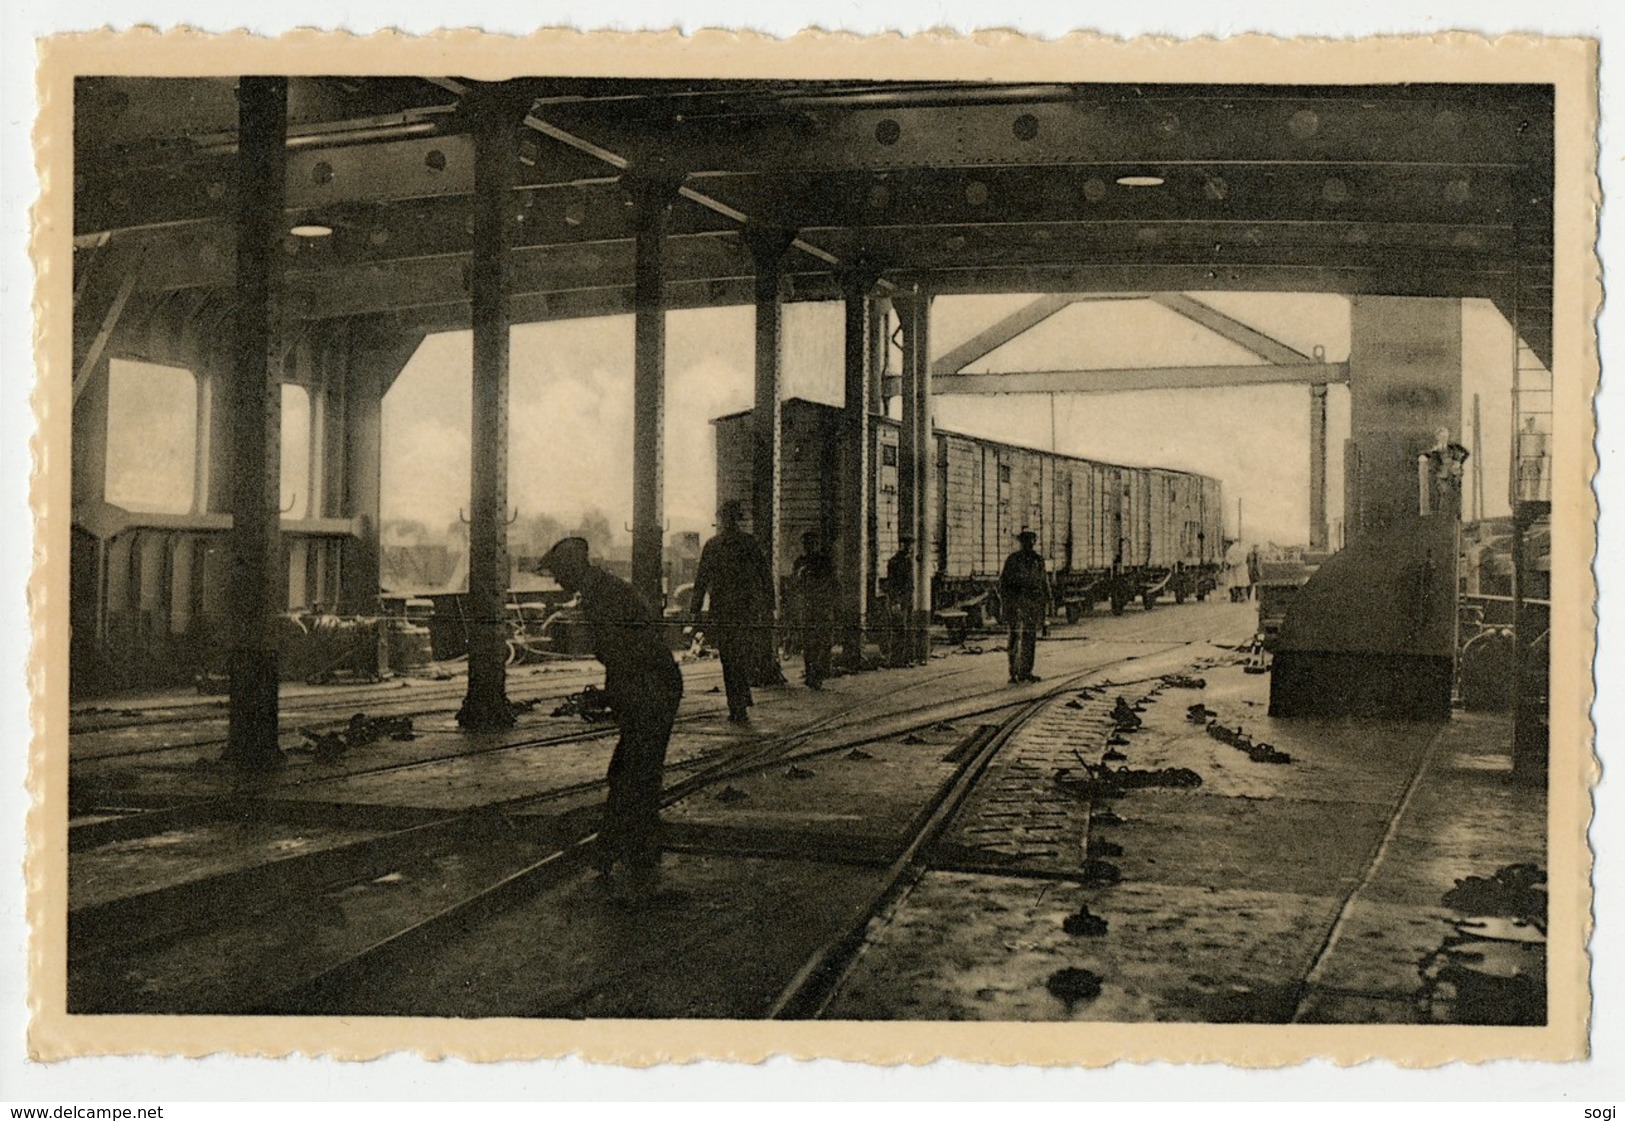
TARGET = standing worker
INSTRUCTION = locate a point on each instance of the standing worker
(898, 587)
(642, 688)
(1024, 593)
(814, 576)
(736, 576)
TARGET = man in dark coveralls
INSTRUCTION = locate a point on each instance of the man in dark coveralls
(1024, 592)
(642, 687)
(735, 575)
(814, 576)
(898, 587)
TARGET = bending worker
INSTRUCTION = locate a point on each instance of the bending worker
(642, 687)
(1024, 593)
(735, 575)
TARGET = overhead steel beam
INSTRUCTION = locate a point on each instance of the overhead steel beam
(1093, 124)
(93, 307)
(1121, 380)
(373, 288)
(1197, 276)
(922, 195)
(376, 288)
(611, 299)
(198, 255)
(991, 338)
(661, 158)
(995, 239)
(1230, 328)
(319, 179)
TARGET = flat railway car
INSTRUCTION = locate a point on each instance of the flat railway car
(1108, 532)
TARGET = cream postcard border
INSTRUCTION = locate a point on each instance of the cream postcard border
(1569, 64)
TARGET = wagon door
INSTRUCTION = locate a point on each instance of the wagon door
(961, 506)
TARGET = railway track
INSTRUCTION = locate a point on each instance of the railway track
(377, 700)
(145, 822)
(115, 940)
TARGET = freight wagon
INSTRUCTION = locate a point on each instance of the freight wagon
(1108, 533)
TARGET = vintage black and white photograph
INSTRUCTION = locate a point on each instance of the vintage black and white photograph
(895, 549)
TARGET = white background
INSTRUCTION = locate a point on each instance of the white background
(1566, 1088)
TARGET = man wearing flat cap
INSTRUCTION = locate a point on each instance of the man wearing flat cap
(1024, 593)
(642, 687)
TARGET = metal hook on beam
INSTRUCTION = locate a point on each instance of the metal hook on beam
(292, 502)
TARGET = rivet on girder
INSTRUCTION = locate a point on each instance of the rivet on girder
(1458, 190)
(880, 196)
(321, 173)
(1334, 191)
(1094, 189)
(1025, 127)
(216, 190)
(976, 193)
(888, 132)
(1304, 124)
(435, 160)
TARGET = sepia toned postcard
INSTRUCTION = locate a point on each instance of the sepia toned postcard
(655, 548)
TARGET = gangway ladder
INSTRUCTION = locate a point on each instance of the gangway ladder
(1530, 482)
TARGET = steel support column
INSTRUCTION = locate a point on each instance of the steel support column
(256, 414)
(486, 704)
(853, 538)
(879, 351)
(652, 199)
(1317, 468)
(916, 454)
(767, 247)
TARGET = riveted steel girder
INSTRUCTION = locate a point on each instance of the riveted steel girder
(1442, 194)
(199, 254)
(326, 176)
(1089, 124)
(438, 280)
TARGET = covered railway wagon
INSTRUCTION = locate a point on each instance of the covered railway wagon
(1108, 533)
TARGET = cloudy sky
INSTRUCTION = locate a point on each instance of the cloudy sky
(570, 443)
(571, 403)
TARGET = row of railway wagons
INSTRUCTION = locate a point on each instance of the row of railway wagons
(1108, 532)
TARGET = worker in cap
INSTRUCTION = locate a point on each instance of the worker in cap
(734, 576)
(1025, 596)
(642, 687)
(898, 587)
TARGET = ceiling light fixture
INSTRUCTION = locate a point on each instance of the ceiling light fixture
(1139, 180)
(311, 229)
